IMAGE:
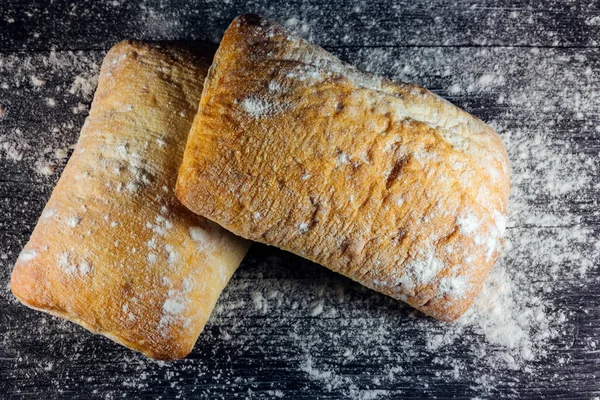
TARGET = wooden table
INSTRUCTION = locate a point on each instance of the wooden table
(286, 328)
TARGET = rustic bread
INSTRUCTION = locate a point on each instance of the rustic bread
(114, 251)
(380, 181)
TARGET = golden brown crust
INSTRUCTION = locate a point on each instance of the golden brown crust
(383, 182)
(114, 251)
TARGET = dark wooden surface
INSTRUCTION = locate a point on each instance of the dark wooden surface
(532, 69)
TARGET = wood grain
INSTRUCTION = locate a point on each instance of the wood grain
(90, 24)
(250, 351)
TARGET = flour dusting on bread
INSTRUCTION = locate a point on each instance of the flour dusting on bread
(258, 108)
(117, 255)
(403, 185)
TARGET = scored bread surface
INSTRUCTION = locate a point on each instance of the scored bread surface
(383, 182)
(114, 250)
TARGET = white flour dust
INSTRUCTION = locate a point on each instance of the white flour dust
(515, 321)
(323, 325)
(38, 80)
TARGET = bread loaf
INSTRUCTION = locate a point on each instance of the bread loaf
(114, 251)
(383, 182)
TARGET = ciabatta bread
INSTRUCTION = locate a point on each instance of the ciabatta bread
(114, 251)
(383, 182)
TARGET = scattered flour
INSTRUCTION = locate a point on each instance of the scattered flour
(468, 224)
(73, 221)
(259, 108)
(303, 227)
(45, 168)
(198, 234)
(316, 308)
(72, 269)
(520, 327)
(29, 78)
(175, 305)
(37, 82)
(28, 255)
(454, 286)
(13, 151)
(85, 85)
(517, 322)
